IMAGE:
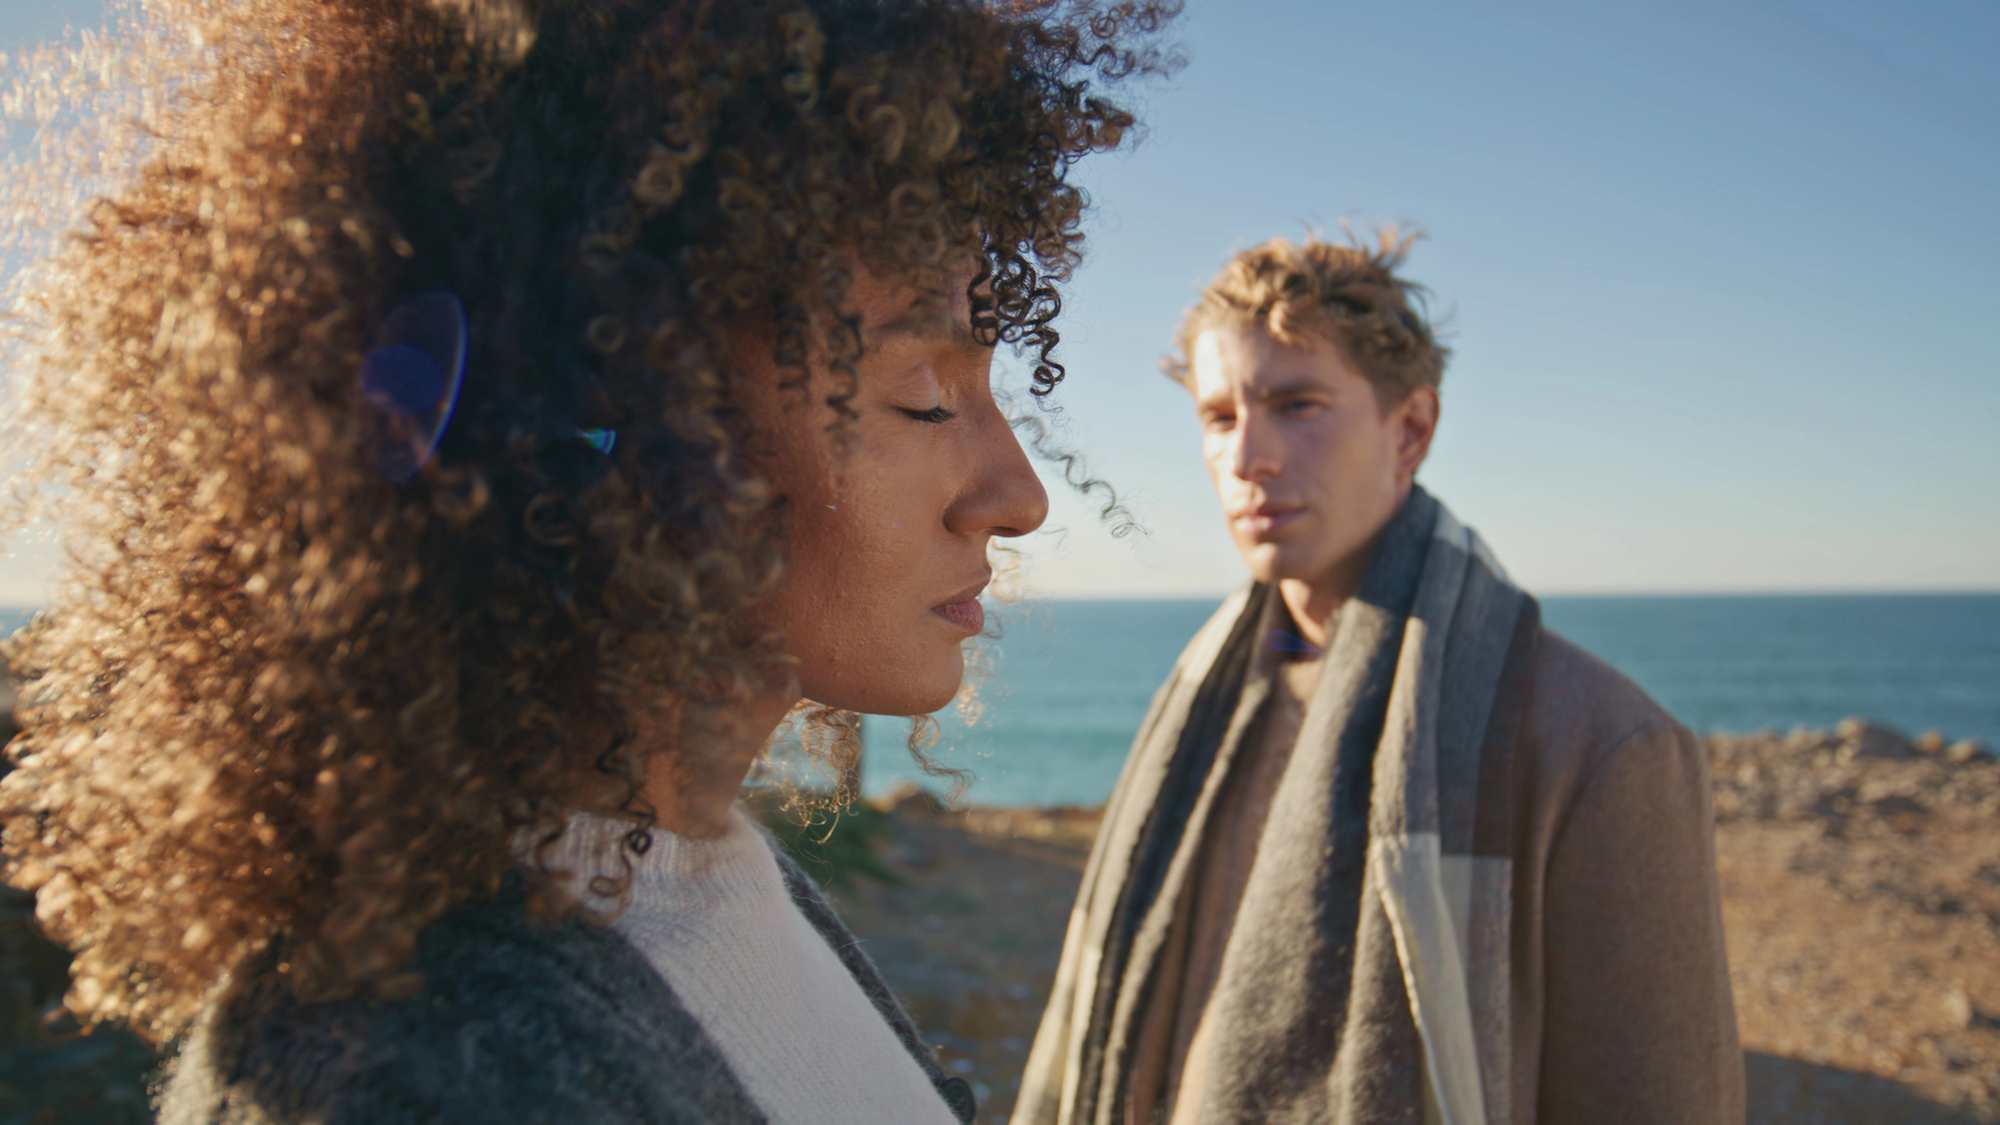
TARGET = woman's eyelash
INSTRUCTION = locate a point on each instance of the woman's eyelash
(934, 414)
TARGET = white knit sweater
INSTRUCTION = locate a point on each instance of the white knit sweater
(713, 917)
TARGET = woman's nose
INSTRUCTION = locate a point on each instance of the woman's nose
(1006, 497)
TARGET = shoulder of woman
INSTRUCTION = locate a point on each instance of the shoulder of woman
(515, 1019)
(806, 895)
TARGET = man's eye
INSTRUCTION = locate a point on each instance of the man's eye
(934, 415)
(1299, 409)
(1220, 421)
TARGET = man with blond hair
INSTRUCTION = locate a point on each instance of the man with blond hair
(1386, 849)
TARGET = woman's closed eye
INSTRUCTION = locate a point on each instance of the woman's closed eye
(934, 415)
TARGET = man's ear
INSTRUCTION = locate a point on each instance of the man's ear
(1415, 421)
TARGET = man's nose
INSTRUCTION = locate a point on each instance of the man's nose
(1006, 498)
(1258, 455)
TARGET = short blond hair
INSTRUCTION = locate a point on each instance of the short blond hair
(1345, 294)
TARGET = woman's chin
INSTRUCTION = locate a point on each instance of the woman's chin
(932, 697)
(917, 690)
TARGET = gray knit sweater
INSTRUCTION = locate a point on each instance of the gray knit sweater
(518, 1020)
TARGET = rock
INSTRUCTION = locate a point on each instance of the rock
(1863, 739)
(1930, 742)
(1965, 750)
(913, 802)
(1833, 805)
(1902, 813)
(1958, 1009)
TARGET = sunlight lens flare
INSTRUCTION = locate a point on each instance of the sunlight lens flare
(412, 380)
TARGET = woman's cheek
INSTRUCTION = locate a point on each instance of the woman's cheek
(894, 506)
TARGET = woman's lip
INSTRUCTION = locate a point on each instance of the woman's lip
(968, 615)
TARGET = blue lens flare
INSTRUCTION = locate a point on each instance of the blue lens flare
(411, 383)
(412, 380)
(403, 379)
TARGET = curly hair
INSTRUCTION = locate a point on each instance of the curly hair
(1327, 292)
(284, 702)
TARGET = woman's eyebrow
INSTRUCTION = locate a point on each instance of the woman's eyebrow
(926, 323)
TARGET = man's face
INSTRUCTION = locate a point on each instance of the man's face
(891, 518)
(1309, 466)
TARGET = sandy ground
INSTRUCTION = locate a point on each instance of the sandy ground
(1861, 893)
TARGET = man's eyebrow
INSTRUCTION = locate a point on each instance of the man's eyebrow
(1293, 387)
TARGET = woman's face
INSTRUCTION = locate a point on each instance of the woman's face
(892, 511)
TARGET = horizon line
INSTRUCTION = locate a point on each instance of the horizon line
(1719, 592)
(1637, 592)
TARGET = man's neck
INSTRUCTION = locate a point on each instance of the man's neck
(1312, 602)
(1312, 605)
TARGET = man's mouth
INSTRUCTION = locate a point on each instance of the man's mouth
(1265, 521)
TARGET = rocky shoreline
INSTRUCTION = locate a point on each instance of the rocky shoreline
(1861, 895)
(1861, 891)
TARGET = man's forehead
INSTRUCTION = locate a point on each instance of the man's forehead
(1232, 359)
(1211, 377)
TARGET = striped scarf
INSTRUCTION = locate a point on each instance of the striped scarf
(1366, 977)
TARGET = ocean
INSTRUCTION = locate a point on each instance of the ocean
(1070, 680)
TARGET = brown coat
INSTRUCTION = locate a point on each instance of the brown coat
(1614, 898)
(1484, 890)
(1622, 1011)
(1621, 1006)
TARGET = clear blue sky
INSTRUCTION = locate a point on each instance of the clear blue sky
(1723, 280)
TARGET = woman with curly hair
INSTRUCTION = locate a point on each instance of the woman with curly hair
(483, 421)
